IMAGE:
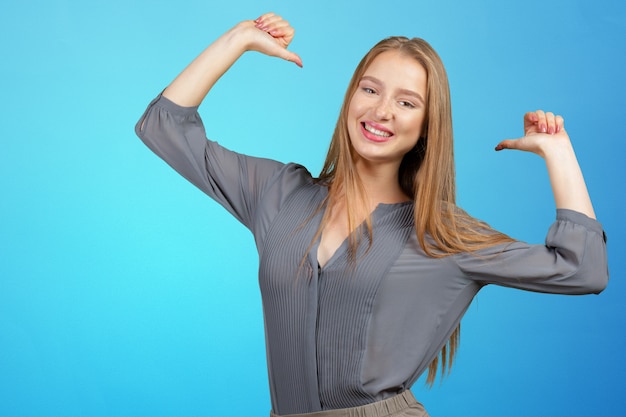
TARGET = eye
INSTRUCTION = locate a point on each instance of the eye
(406, 104)
(368, 90)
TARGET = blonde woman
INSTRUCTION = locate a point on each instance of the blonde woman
(366, 270)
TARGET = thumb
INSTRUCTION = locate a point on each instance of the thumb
(508, 144)
(291, 57)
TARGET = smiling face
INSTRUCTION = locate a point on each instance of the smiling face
(386, 112)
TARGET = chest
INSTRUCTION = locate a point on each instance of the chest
(293, 251)
(334, 234)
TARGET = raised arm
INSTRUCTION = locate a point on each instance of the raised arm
(172, 128)
(545, 135)
(269, 34)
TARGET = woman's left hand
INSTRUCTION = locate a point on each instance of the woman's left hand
(542, 131)
(545, 135)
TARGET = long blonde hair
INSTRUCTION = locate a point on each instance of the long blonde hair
(426, 175)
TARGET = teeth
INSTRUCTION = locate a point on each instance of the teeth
(376, 131)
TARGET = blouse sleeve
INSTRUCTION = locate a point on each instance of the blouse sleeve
(572, 261)
(177, 135)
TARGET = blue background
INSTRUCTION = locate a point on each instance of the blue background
(124, 291)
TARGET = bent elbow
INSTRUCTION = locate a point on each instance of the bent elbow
(598, 273)
(594, 283)
(600, 284)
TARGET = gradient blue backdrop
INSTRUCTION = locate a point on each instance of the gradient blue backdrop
(124, 291)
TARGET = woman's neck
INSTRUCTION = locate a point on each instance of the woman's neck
(381, 184)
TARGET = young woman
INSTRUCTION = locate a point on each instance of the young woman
(366, 271)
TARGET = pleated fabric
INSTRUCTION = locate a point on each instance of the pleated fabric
(346, 336)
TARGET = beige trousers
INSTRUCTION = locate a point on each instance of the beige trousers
(402, 405)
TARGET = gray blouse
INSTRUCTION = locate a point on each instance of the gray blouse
(343, 335)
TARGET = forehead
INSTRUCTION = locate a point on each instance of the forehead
(395, 68)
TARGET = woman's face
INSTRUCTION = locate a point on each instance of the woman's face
(387, 110)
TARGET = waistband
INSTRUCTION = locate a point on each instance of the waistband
(383, 408)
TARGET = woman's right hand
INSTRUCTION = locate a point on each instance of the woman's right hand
(270, 34)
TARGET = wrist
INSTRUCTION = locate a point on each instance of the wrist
(558, 150)
(240, 37)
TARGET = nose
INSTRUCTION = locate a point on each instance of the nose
(383, 109)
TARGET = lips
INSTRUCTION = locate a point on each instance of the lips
(375, 132)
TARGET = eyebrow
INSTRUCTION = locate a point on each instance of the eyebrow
(402, 90)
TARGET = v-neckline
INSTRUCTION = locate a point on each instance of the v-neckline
(379, 211)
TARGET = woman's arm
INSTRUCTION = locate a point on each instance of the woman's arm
(545, 135)
(269, 34)
(172, 128)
